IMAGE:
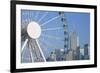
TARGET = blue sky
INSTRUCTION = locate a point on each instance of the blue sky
(53, 39)
(80, 22)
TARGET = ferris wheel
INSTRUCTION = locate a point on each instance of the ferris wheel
(41, 32)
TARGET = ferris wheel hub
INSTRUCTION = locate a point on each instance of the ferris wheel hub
(34, 30)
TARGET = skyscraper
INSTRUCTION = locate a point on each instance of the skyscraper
(73, 41)
(74, 44)
(78, 53)
(86, 51)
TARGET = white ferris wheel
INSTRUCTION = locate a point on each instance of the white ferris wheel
(42, 31)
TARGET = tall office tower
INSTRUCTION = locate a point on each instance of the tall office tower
(73, 43)
(66, 34)
(86, 51)
(78, 49)
(78, 53)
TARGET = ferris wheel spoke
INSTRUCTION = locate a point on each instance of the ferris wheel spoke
(27, 17)
(31, 51)
(30, 17)
(41, 50)
(52, 37)
(25, 58)
(23, 22)
(44, 48)
(43, 16)
(25, 43)
(49, 20)
(56, 28)
(47, 44)
(36, 16)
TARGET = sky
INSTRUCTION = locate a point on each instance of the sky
(52, 35)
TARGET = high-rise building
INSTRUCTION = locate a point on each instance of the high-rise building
(78, 53)
(73, 41)
(74, 44)
(86, 51)
(69, 55)
(81, 53)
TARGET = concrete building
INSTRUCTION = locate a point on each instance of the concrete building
(81, 53)
(69, 55)
(86, 51)
(77, 53)
(74, 42)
